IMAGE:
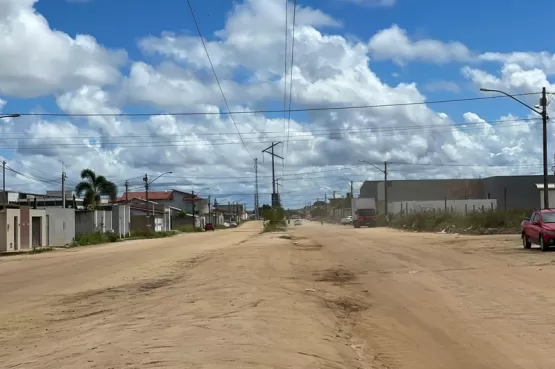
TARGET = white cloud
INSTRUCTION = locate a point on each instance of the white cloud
(36, 60)
(394, 43)
(330, 70)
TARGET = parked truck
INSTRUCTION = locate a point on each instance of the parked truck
(364, 212)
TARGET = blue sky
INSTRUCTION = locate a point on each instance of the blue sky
(482, 26)
(121, 24)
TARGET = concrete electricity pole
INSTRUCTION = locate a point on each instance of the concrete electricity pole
(127, 192)
(545, 118)
(275, 196)
(4, 196)
(64, 190)
(385, 184)
(256, 205)
(147, 185)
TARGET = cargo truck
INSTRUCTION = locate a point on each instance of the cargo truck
(364, 212)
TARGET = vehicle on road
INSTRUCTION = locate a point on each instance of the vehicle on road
(209, 227)
(298, 222)
(364, 212)
(347, 220)
(233, 225)
(539, 229)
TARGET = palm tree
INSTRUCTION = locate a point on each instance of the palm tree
(93, 187)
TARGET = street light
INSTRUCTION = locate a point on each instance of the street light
(147, 186)
(543, 114)
(10, 116)
(384, 171)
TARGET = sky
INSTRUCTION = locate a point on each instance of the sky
(127, 88)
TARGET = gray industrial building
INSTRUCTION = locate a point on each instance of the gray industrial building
(511, 192)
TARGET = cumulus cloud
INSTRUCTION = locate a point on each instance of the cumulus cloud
(36, 60)
(204, 149)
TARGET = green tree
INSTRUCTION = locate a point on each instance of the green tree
(275, 216)
(93, 187)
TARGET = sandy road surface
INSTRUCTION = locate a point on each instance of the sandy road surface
(442, 301)
(334, 297)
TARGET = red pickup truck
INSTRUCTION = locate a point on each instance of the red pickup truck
(539, 229)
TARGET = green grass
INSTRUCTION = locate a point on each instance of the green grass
(97, 238)
(479, 223)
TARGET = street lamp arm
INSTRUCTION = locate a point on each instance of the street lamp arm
(367, 162)
(514, 98)
(159, 177)
(10, 116)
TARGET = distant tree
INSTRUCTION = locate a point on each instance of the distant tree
(93, 187)
(263, 208)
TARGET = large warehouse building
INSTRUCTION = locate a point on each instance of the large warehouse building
(511, 192)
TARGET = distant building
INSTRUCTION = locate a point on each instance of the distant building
(511, 192)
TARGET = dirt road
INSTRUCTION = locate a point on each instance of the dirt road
(331, 297)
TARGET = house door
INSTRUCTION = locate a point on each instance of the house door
(36, 231)
(15, 233)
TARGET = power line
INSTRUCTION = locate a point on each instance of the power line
(270, 111)
(306, 137)
(216, 75)
(451, 126)
(290, 82)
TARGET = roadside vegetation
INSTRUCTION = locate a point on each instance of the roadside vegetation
(98, 238)
(488, 222)
(274, 220)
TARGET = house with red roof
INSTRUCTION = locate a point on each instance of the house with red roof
(172, 198)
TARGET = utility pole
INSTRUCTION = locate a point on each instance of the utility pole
(326, 202)
(545, 117)
(256, 215)
(385, 184)
(193, 207)
(275, 196)
(209, 211)
(352, 194)
(64, 190)
(145, 179)
(127, 192)
(543, 103)
(4, 196)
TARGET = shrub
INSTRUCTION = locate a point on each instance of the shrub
(94, 238)
(189, 229)
(499, 221)
(272, 227)
(148, 234)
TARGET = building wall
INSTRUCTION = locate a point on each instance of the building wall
(7, 239)
(177, 202)
(38, 213)
(93, 221)
(520, 192)
(442, 206)
(121, 219)
(60, 226)
(511, 192)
